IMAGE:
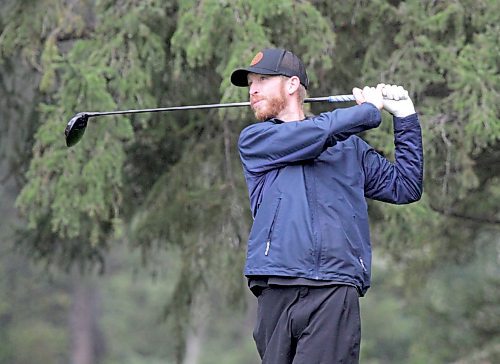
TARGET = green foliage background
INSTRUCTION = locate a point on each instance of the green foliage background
(170, 185)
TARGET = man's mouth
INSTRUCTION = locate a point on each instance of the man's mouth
(254, 102)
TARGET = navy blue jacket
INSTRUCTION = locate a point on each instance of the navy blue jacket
(307, 182)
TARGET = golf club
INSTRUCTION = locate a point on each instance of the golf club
(76, 126)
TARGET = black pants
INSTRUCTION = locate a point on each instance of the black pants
(308, 325)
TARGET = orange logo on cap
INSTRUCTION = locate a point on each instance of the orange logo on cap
(257, 58)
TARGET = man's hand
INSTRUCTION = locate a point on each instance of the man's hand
(372, 95)
(396, 100)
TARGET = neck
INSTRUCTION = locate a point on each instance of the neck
(293, 112)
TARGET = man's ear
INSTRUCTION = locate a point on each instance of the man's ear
(293, 84)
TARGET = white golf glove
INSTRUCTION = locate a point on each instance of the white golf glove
(397, 101)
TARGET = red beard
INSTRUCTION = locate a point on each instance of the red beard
(270, 107)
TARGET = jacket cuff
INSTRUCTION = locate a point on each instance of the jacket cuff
(408, 122)
(375, 116)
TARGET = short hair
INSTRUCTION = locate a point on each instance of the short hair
(302, 91)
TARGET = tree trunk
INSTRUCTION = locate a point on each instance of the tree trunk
(86, 338)
(197, 331)
(194, 343)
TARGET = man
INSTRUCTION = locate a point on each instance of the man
(309, 253)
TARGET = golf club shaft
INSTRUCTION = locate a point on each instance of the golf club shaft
(337, 98)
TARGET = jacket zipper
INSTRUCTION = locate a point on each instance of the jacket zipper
(362, 264)
(315, 223)
(275, 217)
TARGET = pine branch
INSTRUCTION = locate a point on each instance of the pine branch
(476, 219)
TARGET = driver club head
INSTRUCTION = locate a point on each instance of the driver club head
(75, 129)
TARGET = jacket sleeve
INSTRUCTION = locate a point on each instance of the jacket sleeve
(399, 182)
(267, 145)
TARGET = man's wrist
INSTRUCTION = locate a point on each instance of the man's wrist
(404, 113)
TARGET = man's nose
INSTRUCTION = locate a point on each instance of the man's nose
(252, 89)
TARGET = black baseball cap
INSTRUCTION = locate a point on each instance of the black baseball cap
(272, 61)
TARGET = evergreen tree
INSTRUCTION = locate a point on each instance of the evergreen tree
(173, 181)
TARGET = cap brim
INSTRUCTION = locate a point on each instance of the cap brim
(239, 77)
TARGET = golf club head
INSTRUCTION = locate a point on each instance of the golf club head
(75, 129)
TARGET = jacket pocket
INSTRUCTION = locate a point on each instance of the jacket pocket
(271, 228)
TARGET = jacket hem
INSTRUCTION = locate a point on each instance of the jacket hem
(361, 286)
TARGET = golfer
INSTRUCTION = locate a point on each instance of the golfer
(309, 253)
